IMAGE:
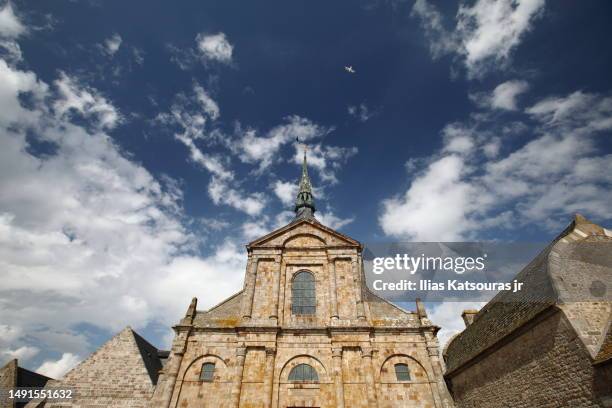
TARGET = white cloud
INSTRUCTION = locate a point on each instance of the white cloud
(13, 84)
(210, 162)
(361, 112)
(468, 187)
(255, 229)
(486, 32)
(207, 103)
(286, 191)
(441, 41)
(579, 111)
(101, 237)
(503, 97)
(222, 193)
(211, 279)
(23, 353)
(329, 219)
(11, 28)
(10, 25)
(448, 316)
(458, 138)
(491, 29)
(194, 117)
(112, 44)
(76, 97)
(215, 47)
(434, 207)
(56, 369)
(263, 150)
(327, 160)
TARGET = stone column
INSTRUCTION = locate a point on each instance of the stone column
(333, 295)
(249, 289)
(269, 376)
(275, 290)
(368, 370)
(337, 372)
(357, 273)
(236, 386)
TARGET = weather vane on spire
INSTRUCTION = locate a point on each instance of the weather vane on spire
(304, 145)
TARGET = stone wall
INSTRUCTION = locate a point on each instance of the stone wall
(366, 370)
(546, 365)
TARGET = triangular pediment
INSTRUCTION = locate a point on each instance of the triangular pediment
(312, 231)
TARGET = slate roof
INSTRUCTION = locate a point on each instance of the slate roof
(27, 378)
(224, 314)
(508, 311)
(151, 356)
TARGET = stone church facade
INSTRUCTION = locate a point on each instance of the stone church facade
(304, 332)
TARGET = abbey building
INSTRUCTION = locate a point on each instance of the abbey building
(304, 332)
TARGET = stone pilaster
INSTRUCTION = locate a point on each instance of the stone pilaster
(276, 289)
(357, 272)
(237, 384)
(368, 370)
(333, 291)
(269, 376)
(337, 373)
(249, 288)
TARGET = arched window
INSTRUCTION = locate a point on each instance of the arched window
(208, 372)
(303, 372)
(304, 299)
(402, 373)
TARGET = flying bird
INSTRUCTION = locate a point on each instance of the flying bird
(349, 69)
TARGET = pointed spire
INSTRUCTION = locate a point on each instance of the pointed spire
(304, 202)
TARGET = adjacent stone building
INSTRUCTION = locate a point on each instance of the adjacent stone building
(549, 345)
(304, 332)
(123, 372)
(12, 376)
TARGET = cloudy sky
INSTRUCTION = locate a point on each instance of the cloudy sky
(142, 144)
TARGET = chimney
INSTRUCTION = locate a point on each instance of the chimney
(468, 316)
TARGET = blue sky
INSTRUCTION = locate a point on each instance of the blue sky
(143, 144)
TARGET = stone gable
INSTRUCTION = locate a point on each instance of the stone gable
(114, 376)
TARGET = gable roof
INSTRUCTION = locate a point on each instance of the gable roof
(126, 349)
(295, 223)
(544, 286)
